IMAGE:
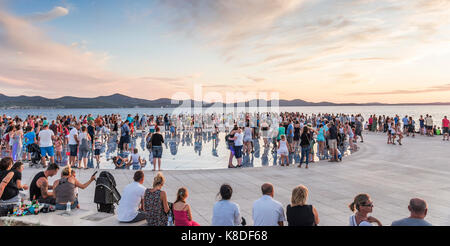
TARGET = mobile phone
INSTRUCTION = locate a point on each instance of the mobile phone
(94, 173)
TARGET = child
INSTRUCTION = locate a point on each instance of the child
(59, 149)
(135, 161)
(97, 148)
(283, 151)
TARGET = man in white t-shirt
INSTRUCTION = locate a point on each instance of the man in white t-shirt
(266, 211)
(73, 144)
(131, 204)
(45, 138)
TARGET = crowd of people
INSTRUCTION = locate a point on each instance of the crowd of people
(397, 127)
(293, 137)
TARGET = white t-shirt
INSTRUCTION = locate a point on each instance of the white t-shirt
(239, 139)
(45, 138)
(129, 203)
(72, 134)
(363, 223)
(267, 212)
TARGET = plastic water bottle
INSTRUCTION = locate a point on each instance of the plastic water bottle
(68, 207)
(170, 220)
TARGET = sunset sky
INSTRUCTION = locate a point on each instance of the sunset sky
(391, 51)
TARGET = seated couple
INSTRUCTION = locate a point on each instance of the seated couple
(64, 190)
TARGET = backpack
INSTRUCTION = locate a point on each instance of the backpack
(106, 193)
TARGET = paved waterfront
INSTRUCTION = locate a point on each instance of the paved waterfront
(390, 174)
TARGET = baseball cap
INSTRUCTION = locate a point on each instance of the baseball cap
(45, 123)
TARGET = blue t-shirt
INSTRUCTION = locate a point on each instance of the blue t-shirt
(405, 121)
(29, 138)
(290, 130)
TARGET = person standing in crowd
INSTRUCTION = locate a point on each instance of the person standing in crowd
(445, 128)
(225, 212)
(125, 137)
(157, 140)
(332, 141)
(429, 124)
(418, 209)
(131, 205)
(17, 143)
(181, 210)
(305, 144)
(39, 185)
(156, 206)
(362, 206)
(422, 125)
(238, 145)
(266, 211)
(84, 149)
(45, 138)
(283, 151)
(30, 138)
(73, 144)
(298, 213)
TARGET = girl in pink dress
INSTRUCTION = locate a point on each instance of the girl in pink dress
(182, 210)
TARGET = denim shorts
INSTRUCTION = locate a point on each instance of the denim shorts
(157, 151)
(84, 153)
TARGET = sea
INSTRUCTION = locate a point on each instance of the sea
(436, 111)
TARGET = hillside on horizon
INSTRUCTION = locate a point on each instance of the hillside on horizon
(122, 101)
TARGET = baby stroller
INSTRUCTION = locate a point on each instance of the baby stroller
(36, 156)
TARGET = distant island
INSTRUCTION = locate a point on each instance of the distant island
(122, 101)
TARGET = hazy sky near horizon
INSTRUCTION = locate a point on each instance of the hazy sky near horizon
(389, 51)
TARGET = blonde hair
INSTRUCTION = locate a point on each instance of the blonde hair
(358, 201)
(159, 179)
(67, 171)
(299, 196)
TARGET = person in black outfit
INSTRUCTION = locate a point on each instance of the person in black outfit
(299, 213)
(332, 141)
(305, 143)
(157, 149)
(9, 193)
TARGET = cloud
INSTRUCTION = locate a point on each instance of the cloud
(31, 62)
(223, 23)
(255, 79)
(436, 88)
(56, 12)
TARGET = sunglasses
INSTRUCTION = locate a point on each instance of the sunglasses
(367, 205)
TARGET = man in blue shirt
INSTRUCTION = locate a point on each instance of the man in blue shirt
(418, 208)
(405, 124)
(290, 136)
(124, 136)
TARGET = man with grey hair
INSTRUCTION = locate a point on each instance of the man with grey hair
(267, 211)
(418, 208)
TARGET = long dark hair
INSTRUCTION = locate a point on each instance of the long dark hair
(181, 194)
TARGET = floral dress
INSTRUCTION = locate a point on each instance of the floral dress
(153, 206)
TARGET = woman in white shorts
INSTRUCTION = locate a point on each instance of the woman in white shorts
(283, 150)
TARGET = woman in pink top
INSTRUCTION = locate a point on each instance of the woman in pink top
(182, 210)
